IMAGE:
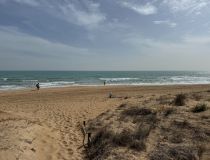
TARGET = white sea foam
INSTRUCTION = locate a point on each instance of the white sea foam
(4, 79)
(56, 84)
(10, 87)
(30, 80)
(190, 79)
(117, 79)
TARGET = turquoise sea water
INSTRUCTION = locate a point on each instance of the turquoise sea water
(26, 79)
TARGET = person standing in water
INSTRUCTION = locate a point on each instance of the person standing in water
(37, 86)
(104, 83)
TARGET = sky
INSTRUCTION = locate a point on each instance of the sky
(104, 35)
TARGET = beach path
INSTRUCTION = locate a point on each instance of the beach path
(45, 124)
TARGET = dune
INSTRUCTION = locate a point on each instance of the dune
(46, 124)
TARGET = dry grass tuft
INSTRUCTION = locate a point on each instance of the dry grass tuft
(181, 152)
(199, 134)
(142, 132)
(123, 106)
(136, 111)
(104, 140)
(100, 144)
(150, 119)
(137, 145)
(123, 139)
(168, 111)
(132, 129)
(199, 108)
(180, 100)
(176, 137)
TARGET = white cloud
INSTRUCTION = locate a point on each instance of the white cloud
(90, 18)
(166, 22)
(84, 13)
(146, 9)
(191, 6)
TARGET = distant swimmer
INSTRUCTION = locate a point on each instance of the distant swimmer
(37, 86)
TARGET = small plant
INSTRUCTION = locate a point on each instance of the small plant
(101, 140)
(142, 132)
(122, 106)
(123, 138)
(136, 111)
(166, 152)
(199, 134)
(168, 111)
(150, 119)
(137, 145)
(176, 138)
(101, 135)
(180, 100)
(199, 108)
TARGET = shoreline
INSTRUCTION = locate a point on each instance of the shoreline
(99, 86)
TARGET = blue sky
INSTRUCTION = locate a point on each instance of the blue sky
(104, 34)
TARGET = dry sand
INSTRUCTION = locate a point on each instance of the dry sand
(45, 124)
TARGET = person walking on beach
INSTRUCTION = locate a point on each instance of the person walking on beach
(104, 83)
(37, 86)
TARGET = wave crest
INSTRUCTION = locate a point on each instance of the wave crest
(117, 79)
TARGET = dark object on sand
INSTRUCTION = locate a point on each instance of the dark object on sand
(37, 86)
(199, 108)
(110, 95)
(180, 100)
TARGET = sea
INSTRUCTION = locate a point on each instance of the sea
(13, 80)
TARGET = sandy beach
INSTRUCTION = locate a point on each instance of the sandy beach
(45, 124)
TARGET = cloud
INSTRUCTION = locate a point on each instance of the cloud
(187, 44)
(166, 22)
(84, 13)
(197, 40)
(190, 53)
(13, 42)
(191, 6)
(91, 17)
(26, 2)
(147, 9)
